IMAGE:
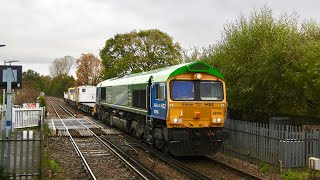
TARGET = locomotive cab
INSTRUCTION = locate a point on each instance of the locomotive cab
(193, 104)
(196, 113)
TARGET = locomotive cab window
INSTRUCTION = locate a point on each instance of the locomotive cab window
(211, 90)
(182, 90)
(160, 91)
(103, 94)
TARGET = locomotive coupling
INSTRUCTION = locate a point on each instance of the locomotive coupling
(210, 134)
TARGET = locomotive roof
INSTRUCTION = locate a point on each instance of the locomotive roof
(162, 74)
(86, 86)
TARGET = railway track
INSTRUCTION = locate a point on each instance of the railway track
(174, 163)
(228, 167)
(102, 159)
(192, 171)
(181, 166)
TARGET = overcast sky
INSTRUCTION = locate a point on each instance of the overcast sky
(36, 32)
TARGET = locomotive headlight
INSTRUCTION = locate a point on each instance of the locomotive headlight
(175, 120)
(198, 76)
(217, 120)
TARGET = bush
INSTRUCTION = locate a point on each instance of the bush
(265, 167)
(294, 174)
(42, 101)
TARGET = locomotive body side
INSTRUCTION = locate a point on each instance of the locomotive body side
(86, 98)
(65, 96)
(72, 96)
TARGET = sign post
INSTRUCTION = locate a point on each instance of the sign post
(3, 125)
(11, 77)
(8, 74)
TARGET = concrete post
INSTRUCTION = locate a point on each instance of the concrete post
(8, 120)
(9, 103)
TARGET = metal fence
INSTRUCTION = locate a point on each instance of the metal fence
(26, 117)
(21, 154)
(281, 145)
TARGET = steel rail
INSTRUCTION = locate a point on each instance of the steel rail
(187, 170)
(171, 161)
(151, 174)
(238, 171)
(75, 145)
(180, 166)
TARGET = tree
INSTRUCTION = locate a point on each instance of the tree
(89, 70)
(31, 87)
(46, 84)
(61, 66)
(61, 84)
(32, 78)
(197, 54)
(138, 51)
(262, 57)
(307, 73)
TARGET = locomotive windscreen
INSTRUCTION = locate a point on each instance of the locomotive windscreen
(182, 90)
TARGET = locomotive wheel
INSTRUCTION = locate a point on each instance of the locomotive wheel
(153, 144)
(133, 133)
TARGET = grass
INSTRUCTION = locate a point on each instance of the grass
(295, 174)
(300, 174)
(50, 167)
(265, 167)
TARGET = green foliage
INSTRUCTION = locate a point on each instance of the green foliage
(60, 84)
(33, 84)
(46, 131)
(138, 51)
(198, 54)
(42, 101)
(53, 166)
(265, 167)
(295, 174)
(50, 167)
(32, 78)
(270, 65)
(31, 87)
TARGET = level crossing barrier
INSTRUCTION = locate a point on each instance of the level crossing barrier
(27, 117)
